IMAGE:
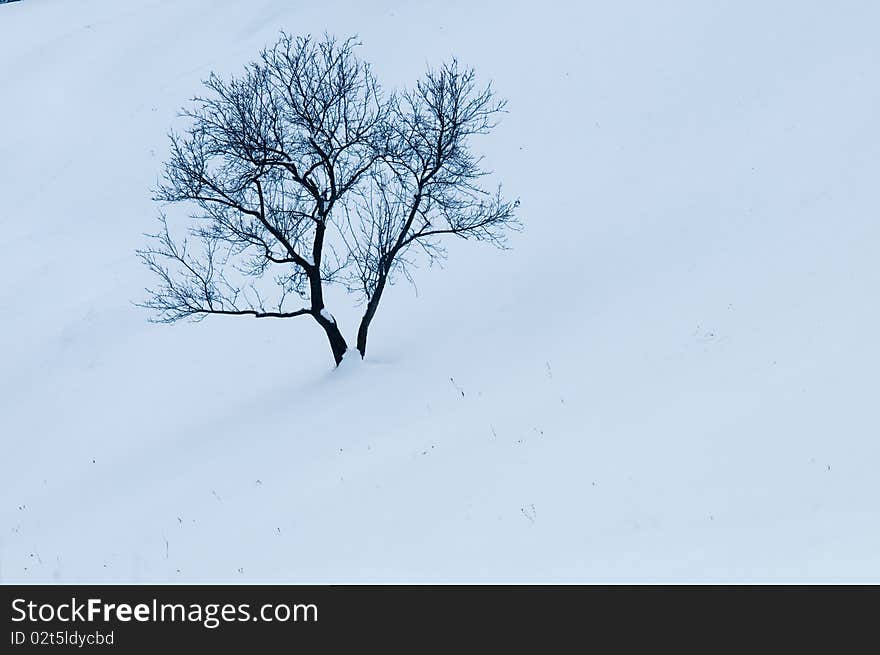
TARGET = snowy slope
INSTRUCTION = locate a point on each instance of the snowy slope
(670, 377)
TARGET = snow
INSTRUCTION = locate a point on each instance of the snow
(694, 400)
(327, 315)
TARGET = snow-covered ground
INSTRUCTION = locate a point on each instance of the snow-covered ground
(672, 376)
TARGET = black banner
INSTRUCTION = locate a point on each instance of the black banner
(416, 618)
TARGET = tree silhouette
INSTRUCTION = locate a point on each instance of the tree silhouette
(305, 174)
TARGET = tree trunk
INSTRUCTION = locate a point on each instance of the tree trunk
(334, 336)
(370, 312)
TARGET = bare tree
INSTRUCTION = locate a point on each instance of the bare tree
(306, 175)
(427, 184)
